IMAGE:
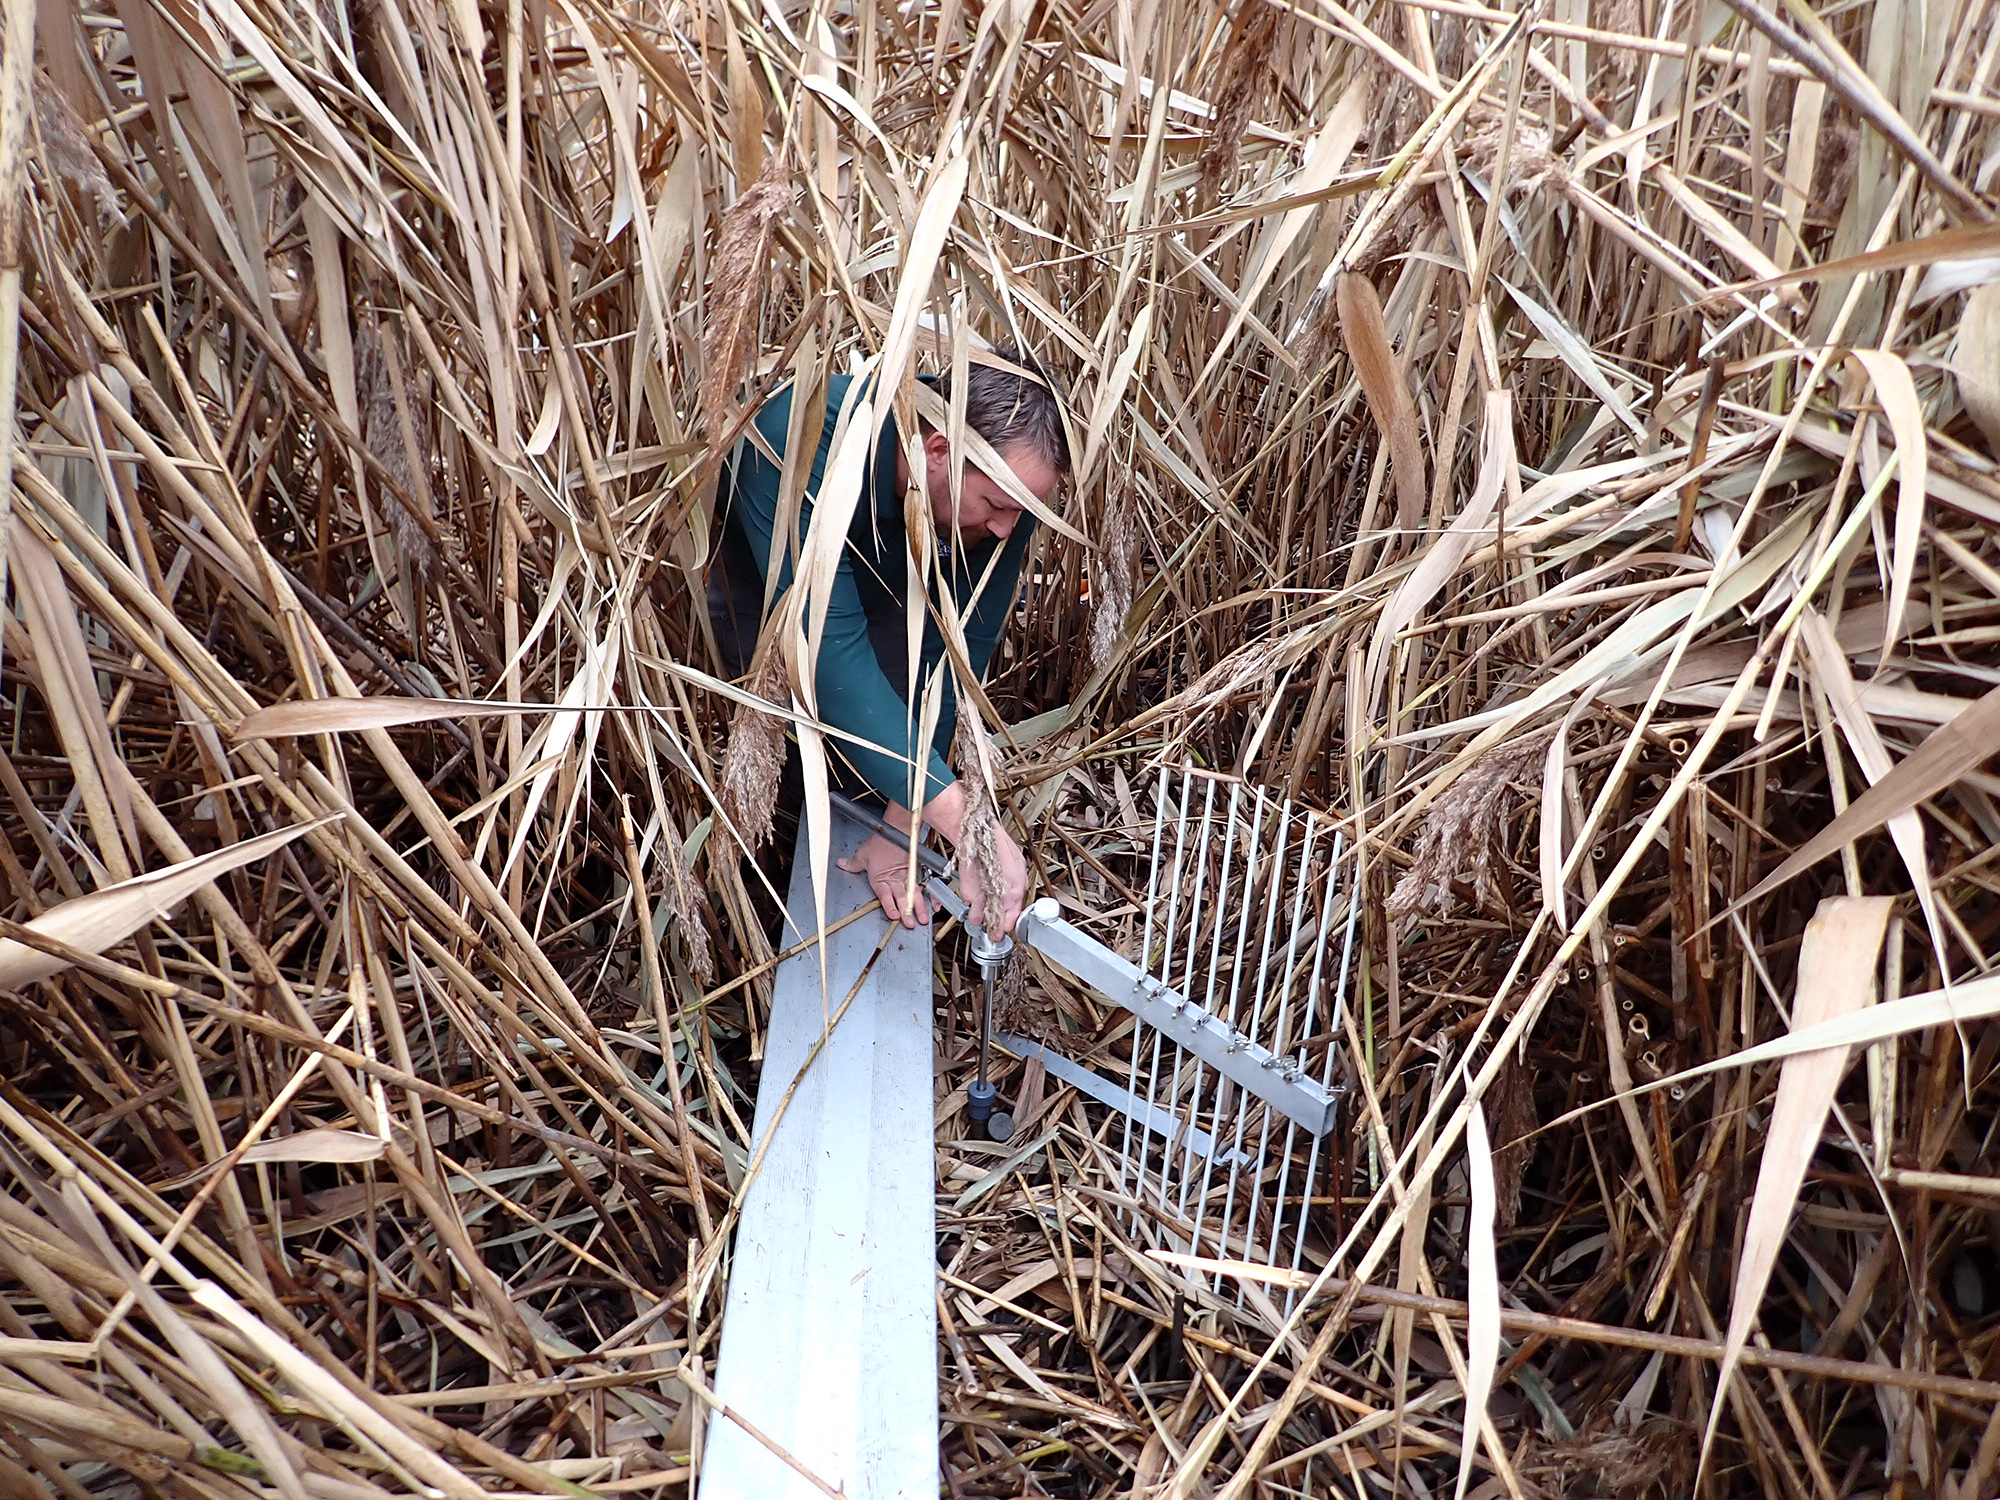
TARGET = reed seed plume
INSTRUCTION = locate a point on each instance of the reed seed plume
(396, 425)
(65, 152)
(981, 824)
(1113, 570)
(736, 289)
(685, 898)
(1465, 829)
(1246, 72)
(753, 761)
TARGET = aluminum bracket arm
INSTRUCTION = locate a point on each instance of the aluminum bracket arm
(1279, 1081)
(1170, 1127)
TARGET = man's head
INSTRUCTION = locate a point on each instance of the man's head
(1019, 417)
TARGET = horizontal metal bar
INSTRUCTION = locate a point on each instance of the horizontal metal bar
(1160, 1121)
(1239, 1057)
(854, 812)
(946, 897)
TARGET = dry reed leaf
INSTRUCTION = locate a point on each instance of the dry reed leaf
(102, 919)
(68, 685)
(1442, 559)
(1973, 1000)
(1898, 394)
(1110, 402)
(923, 246)
(1551, 855)
(1367, 339)
(1948, 753)
(1972, 242)
(354, 715)
(1976, 361)
(319, 1144)
(1906, 828)
(1482, 1328)
(1837, 965)
(825, 538)
(1299, 200)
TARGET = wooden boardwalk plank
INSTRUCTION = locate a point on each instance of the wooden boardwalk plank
(829, 1336)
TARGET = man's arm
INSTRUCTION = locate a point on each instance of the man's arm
(987, 618)
(886, 862)
(853, 694)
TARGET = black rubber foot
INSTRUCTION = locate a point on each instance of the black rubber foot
(979, 1097)
(1000, 1126)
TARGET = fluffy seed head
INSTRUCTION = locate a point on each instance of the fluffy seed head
(1463, 830)
(982, 820)
(755, 759)
(1115, 567)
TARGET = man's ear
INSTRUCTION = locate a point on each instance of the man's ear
(937, 447)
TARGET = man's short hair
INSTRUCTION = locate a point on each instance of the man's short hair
(1006, 409)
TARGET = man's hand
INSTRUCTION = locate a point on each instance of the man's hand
(887, 868)
(1006, 903)
(946, 813)
(886, 863)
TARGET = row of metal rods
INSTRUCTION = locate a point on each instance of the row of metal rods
(1270, 1022)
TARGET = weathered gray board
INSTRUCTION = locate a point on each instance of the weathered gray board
(829, 1337)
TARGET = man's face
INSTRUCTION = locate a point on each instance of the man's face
(984, 508)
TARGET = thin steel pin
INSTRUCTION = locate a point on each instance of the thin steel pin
(1311, 1020)
(1291, 1139)
(1278, 1042)
(1196, 1094)
(1160, 797)
(1176, 1093)
(1166, 976)
(1326, 1068)
(1235, 1007)
(1193, 1096)
(1282, 1004)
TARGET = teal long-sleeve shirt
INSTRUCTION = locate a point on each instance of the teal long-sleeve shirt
(857, 691)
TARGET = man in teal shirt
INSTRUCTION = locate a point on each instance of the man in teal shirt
(862, 671)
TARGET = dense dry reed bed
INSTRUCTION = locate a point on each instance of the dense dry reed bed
(389, 1141)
